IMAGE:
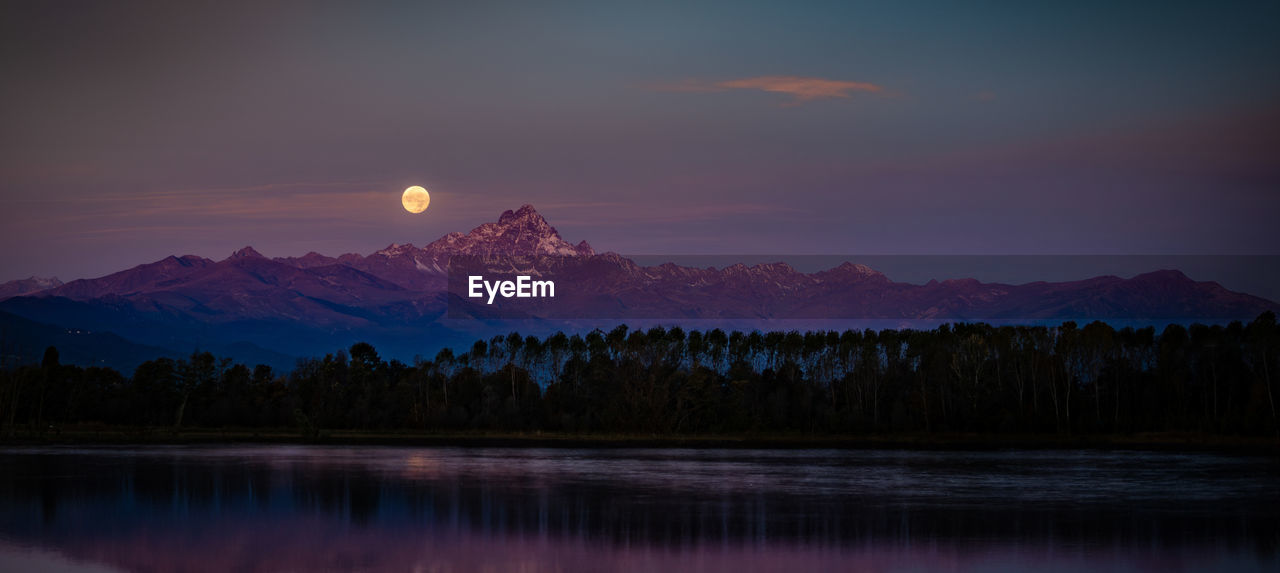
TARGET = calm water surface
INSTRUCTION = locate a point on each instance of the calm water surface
(303, 508)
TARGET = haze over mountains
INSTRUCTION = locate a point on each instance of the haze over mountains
(271, 310)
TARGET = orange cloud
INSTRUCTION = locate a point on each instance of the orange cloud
(802, 89)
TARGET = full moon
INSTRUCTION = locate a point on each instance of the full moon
(415, 199)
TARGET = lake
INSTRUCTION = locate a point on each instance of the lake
(313, 508)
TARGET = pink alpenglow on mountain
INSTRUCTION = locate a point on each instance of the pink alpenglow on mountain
(522, 232)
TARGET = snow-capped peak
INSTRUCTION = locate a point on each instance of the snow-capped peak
(41, 283)
(519, 232)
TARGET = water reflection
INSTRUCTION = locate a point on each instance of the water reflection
(361, 508)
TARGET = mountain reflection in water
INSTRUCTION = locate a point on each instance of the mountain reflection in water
(305, 508)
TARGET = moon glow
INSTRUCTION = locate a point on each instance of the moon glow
(415, 199)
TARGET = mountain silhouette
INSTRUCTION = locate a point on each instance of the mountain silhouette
(398, 297)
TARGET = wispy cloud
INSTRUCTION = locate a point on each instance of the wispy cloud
(800, 88)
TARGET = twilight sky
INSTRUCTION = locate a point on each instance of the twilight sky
(135, 130)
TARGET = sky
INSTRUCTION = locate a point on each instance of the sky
(130, 131)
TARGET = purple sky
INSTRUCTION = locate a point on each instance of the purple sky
(132, 131)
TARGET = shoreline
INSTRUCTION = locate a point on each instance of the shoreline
(1167, 442)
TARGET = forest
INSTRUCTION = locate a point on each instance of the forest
(957, 378)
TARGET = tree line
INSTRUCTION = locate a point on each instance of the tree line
(965, 377)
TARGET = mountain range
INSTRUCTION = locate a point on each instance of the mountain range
(269, 310)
